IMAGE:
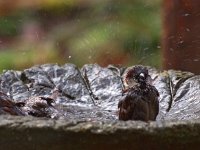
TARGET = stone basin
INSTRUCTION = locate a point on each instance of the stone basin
(85, 110)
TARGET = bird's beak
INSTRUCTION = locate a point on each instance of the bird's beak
(142, 77)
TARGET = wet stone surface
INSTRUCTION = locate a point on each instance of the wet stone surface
(92, 92)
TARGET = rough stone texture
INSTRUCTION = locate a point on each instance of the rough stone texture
(36, 133)
(93, 92)
(89, 97)
(185, 104)
(105, 85)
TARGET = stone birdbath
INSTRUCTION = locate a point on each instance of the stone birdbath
(83, 114)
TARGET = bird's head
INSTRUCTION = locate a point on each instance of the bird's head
(137, 75)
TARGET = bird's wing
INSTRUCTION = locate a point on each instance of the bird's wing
(155, 101)
(126, 107)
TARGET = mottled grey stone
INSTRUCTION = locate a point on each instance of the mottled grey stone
(72, 83)
(19, 87)
(186, 101)
(38, 133)
(105, 85)
(7, 79)
(93, 92)
(85, 110)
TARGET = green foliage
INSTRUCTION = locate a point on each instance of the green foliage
(9, 26)
(17, 59)
(89, 31)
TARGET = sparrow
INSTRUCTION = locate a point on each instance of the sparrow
(8, 106)
(140, 97)
(38, 106)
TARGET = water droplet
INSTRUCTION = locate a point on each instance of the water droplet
(185, 15)
(181, 41)
(187, 29)
(69, 57)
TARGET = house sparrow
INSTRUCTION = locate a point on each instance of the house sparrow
(7, 106)
(38, 106)
(140, 97)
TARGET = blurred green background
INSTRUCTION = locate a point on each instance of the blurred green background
(123, 32)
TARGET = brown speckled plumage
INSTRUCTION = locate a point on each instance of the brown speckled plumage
(38, 106)
(7, 106)
(140, 100)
